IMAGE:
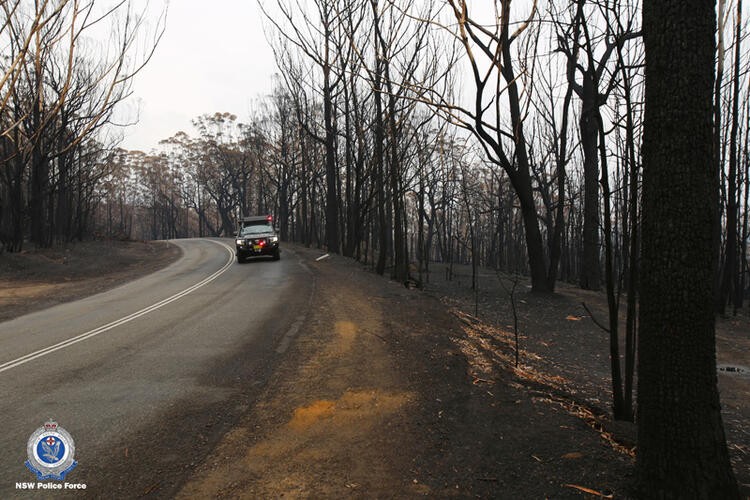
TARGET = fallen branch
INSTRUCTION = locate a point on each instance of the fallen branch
(588, 490)
(593, 318)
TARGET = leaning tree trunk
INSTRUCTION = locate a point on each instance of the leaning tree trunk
(682, 450)
(521, 179)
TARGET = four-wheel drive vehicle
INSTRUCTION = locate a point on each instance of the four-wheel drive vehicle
(256, 236)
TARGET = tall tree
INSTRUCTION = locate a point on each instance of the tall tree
(682, 450)
(313, 34)
(500, 128)
(593, 90)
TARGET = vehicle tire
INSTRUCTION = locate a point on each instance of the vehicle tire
(240, 259)
(276, 254)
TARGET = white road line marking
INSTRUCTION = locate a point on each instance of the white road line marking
(96, 331)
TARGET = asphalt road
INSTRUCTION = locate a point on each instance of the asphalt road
(148, 376)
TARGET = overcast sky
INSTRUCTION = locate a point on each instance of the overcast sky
(213, 57)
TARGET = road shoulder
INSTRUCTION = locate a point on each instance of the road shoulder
(382, 393)
(37, 279)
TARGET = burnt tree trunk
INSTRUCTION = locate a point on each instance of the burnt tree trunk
(378, 151)
(332, 209)
(590, 264)
(682, 450)
(520, 177)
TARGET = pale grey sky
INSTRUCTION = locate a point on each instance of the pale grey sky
(213, 57)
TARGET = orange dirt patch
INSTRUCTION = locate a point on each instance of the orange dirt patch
(11, 293)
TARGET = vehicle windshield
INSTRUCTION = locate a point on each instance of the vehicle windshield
(256, 229)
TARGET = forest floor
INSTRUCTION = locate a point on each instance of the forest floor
(393, 392)
(560, 342)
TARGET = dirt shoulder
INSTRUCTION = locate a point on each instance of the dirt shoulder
(36, 279)
(385, 393)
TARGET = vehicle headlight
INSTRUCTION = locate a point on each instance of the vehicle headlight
(240, 242)
(273, 239)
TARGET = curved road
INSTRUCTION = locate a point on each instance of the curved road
(148, 376)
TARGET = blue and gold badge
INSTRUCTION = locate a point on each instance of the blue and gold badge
(51, 452)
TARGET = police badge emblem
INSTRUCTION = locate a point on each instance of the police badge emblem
(51, 452)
